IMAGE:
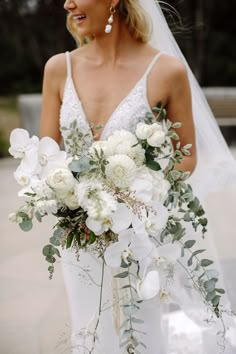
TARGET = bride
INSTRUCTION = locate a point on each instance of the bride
(124, 65)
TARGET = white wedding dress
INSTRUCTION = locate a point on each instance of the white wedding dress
(82, 279)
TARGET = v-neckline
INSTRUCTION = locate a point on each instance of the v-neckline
(111, 115)
(143, 77)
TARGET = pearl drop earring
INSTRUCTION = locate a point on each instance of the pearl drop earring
(108, 27)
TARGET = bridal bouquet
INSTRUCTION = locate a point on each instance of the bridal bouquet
(123, 199)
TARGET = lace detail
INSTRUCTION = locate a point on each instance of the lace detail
(126, 116)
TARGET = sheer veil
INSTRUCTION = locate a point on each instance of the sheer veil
(214, 179)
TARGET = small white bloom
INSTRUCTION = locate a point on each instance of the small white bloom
(148, 287)
(46, 207)
(42, 189)
(12, 217)
(143, 130)
(61, 180)
(21, 143)
(121, 170)
(165, 296)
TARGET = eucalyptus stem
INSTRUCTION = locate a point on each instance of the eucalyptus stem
(100, 308)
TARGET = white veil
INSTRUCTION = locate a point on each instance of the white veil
(214, 156)
(214, 179)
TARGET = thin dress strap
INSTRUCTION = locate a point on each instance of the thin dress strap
(68, 63)
(153, 62)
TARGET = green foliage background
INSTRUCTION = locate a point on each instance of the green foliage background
(33, 30)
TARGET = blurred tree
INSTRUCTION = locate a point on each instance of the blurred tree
(33, 30)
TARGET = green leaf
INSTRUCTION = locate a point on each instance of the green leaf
(190, 261)
(122, 275)
(203, 222)
(153, 165)
(206, 262)
(92, 237)
(177, 125)
(194, 205)
(210, 296)
(38, 216)
(211, 273)
(136, 320)
(69, 239)
(216, 300)
(130, 310)
(26, 225)
(189, 244)
(210, 285)
(187, 217)
(51, 259)
(220, 291)
(124, 323)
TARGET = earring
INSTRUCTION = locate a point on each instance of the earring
(108, 27)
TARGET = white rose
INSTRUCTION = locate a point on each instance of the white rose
(71, 200)
(144, 131)
(121, 142)
(121, 170)
(157, 138)
(61, 180)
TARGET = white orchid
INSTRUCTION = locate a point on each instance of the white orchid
(142, 185)
(151, 221)
(148, 287)
(129, 244)
(160, 186)
(151, 282)
(21, 143)
(118, 221)
(50, 157)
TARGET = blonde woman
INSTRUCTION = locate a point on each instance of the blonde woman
(112, 79)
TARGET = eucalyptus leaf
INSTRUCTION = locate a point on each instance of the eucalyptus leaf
(210, 285)
(122, 275)
(216, 300)
(136, 320)
(210, 296)
(206, 262)
(38, 216)
(26, 225)
(130, 310)
(189, 244)
(220, 291)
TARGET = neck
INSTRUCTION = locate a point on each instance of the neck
(109, 48)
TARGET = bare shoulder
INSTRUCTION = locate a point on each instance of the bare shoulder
(56, 65)
(172, 68)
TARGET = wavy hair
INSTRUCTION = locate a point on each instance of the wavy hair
(133, 15)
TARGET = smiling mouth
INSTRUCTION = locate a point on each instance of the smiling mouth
(79, 17)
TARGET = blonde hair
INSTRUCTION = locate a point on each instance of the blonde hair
(131, 12)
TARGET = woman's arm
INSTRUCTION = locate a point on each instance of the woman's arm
(179, 109)
(54, 76)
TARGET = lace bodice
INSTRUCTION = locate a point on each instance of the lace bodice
(126, 115)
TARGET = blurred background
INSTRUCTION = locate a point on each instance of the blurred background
(33, 310)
